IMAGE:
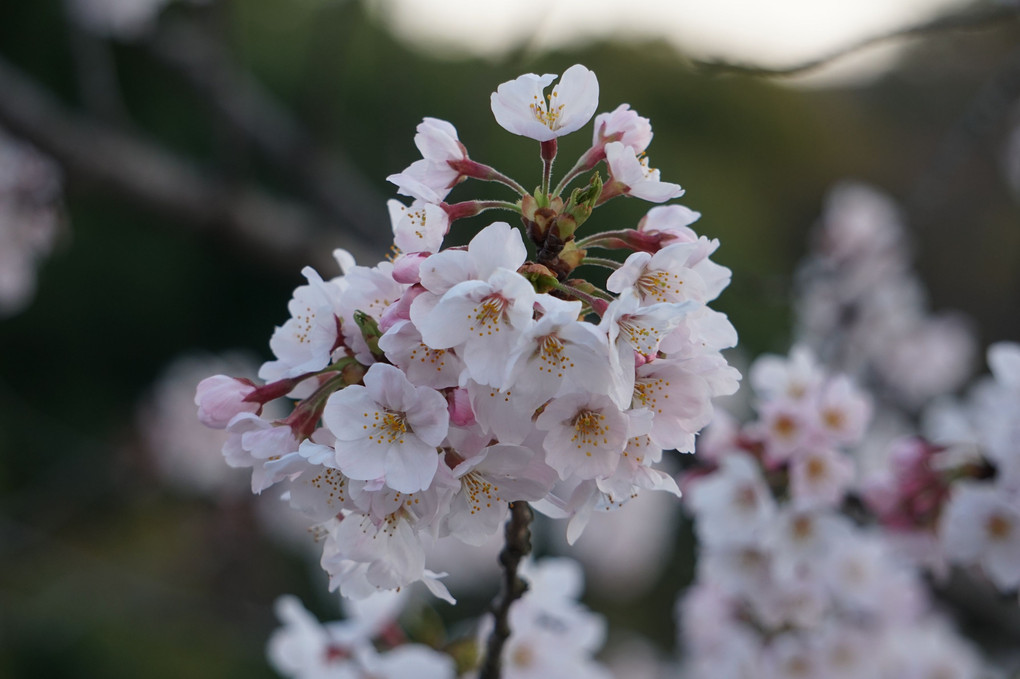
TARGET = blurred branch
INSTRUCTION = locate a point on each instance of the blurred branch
(966, 20)
(141, 172)
(331, 180)
(96, 75)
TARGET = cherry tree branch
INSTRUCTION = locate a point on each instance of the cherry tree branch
(330, 180)
(518, 545)
(103, 158)
(965, 20)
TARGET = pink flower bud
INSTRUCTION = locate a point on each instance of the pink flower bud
(401, 309)
(406, 267)
(219, 398)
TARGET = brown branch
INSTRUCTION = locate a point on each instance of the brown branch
(518, 545)
(106, 159)
(969, 19)
(330, 180)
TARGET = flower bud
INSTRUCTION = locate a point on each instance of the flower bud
(541, 277)
(219, 398)
(406, 267)
(370, 332)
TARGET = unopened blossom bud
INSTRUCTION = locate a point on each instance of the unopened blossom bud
(406, 268)
(538, 216)
(219, 398)
(541, 277)
(401, 310)
(571, 256)
(370, 332)
(579, 207)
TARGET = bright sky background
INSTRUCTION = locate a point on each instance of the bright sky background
(765, 32)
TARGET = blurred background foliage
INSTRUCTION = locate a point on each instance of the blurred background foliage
(106, 571)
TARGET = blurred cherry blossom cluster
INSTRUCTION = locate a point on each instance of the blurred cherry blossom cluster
(861, 307)
(367, 643)
(431, 391)
(31, 185)
(553, 635)
(953, 494)
(787, 584)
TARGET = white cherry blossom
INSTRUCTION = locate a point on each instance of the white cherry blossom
(490, 480)
(520, 106)
(483, 321)
(586, 435)
(388, 429)
(418, 228)
(633, 176)
(622, 125)
(306, 341)
(981, 525)
(558, 354)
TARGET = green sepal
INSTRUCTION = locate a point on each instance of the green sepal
(370, 332)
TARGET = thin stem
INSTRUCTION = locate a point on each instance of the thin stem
(487, 173)
(499, 205)
(518, 545)
(596, 240)
(548, 155)
(579, 167)
(601, 261)
(586, 162)
(596, 301)
(497, 176)
(470, 208)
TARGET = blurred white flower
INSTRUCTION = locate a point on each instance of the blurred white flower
(30, 191)
(186, 453)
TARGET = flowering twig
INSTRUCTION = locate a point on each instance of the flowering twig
(518, 545)
(332, 181)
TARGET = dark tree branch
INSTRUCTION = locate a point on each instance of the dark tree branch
(110, 160)
(966, 20)
(330, 180)
(518, 545)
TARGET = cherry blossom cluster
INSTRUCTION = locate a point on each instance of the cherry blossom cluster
(432, 390)
(787, 585)
(861, 307)
(553, 635)
(31, 187)
(954, 495)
